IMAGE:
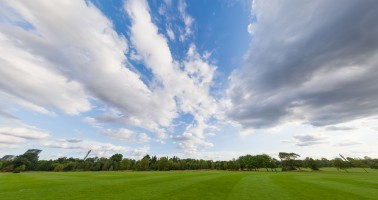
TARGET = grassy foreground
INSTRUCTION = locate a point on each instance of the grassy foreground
(328, 184)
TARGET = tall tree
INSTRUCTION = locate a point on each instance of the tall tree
(28, 159)
(288, 161)
(341, 164)
(163, 164)
(144, 163)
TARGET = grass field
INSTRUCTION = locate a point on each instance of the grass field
(322, 185)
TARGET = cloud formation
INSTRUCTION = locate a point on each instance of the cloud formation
(52, 61)
(126, 135)
(99, 149)
(14, 136)
(187, 19)
(181, 87)
(306, 140)
(309, 61)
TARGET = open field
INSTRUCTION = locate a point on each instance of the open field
(325, 184)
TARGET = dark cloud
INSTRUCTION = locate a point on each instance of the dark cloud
(306, 140)
(73, 140)
(339, 128)
(315, 61)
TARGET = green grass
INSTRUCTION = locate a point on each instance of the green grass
(322, 185)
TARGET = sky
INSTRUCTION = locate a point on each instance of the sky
(199, 79)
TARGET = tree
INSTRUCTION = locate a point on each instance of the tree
(96, 166)
(358, 163)
(144, 163)
(44, 165)
(116, 159)
(247, 162)
(106, 164)
(324, 162)
(153, 163)
(21, 160)
(265, 161)
(310, 163)
(58, 167)
(163, 164)
(28, 159)
(341, 164)
(19, 169)
(288, 161)
(69, 166)
(232, 165)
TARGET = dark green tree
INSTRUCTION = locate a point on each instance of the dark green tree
(310, 163)
(116, 159)
(144, 163)
(288, 161)
(163, 164)
(341, 164)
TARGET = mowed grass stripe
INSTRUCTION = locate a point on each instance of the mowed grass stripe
(218, 186)
(348, 185)
(309, 185)
(133, 185)
(257, 186)
(190, 185)
(172, 182)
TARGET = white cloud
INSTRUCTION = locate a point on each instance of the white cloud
(189, 143)
(178, 91)
(93, 122)
(13, 137)
(99, 149)
(187, 19)
(57, 61)
(84, 56)
(143, 138)
(251, 28)
(28, 81)
(348, 143)
(23, 132)
(64, 66)
(126, 135)
(170, 34)
(10, 139)
(138, 153)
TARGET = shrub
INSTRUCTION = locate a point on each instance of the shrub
(58, 167)
(7, 168)
(19, 169)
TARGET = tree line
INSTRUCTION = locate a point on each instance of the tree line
(286, 162)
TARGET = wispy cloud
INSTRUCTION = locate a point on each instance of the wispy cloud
(306, 140)
(187, 19)
(99, 149)
(348, 143)
(16, 136)
(126, 135)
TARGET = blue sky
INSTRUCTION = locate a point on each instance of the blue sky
(200, 79)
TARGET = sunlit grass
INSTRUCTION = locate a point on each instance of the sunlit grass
(327, 183)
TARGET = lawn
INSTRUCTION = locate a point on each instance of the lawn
(325, 184)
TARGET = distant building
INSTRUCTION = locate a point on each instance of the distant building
(8, 158)
(37, 151)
